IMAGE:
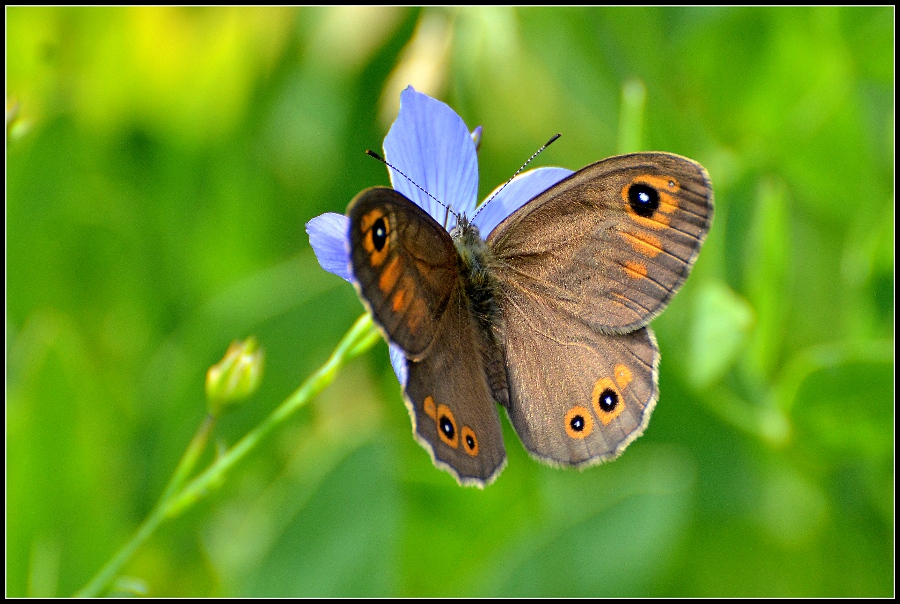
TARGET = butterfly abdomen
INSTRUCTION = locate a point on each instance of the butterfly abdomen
(480, 285)
(482, 288)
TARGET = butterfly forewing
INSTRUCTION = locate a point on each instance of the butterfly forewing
(610, 245)
(404, 264)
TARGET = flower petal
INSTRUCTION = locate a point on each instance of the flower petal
(398, 361)
(521, 189)
(328, 238)
(476, 137)
(430, 143)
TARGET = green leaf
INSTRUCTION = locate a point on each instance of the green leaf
(722, 322)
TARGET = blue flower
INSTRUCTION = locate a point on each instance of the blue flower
(430, 143)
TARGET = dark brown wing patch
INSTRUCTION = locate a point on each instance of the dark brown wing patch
(404, 264)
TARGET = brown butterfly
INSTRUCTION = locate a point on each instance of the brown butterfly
(547, 316)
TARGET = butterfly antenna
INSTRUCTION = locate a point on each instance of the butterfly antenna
(371, 153)
(545, 145)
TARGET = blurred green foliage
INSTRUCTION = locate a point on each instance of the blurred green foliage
(162, 163)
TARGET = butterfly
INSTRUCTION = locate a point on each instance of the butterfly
(547, 314)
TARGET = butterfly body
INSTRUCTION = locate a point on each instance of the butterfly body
(476, 272)
(546, 315)
(477, 267)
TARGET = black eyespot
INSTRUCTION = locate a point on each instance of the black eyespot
(644, 199)
(470, 441)
(608, 400)
(379, 234)
(447, 427)
(577, 423)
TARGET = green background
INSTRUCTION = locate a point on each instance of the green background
(162, 164)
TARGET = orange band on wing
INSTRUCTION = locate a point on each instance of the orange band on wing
(622, 375)
(635, 270)
(389, 275)
(644, 243)
(429, 408)
(657, 222)
(416, 315)
(403, 296)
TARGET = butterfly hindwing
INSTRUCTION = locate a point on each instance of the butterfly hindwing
(577, 396)
(451, 403)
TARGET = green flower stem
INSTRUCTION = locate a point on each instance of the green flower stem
(190, 457)
(360, 338)
(175, 499)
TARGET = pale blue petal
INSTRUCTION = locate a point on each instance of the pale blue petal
(522, 189)
(430, 143)
(398, 361)
(476, 136)
(328, 238)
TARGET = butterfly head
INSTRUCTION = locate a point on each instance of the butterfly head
(465, 232)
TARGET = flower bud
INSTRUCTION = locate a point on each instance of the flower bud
(236, 376)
